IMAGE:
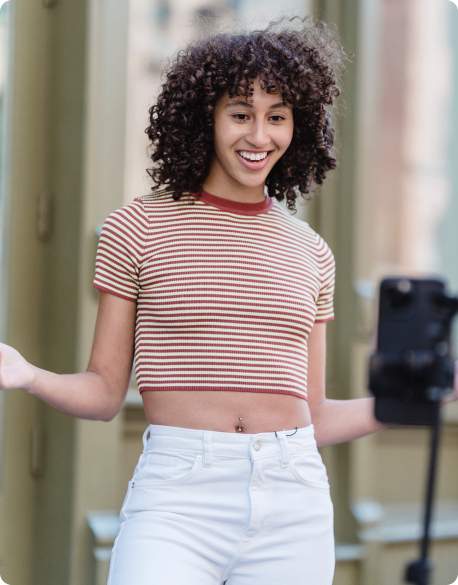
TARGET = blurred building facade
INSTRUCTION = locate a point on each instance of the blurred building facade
(76, 82)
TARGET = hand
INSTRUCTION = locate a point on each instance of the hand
(15, 370)
(453, 396)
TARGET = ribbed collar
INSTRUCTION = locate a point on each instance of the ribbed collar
(243, 207)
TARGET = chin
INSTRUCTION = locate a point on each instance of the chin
(252, 184)
(253, 181)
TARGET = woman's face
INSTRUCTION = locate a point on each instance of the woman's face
(259, 127)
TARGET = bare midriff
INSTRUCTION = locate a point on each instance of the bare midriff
(246, 412)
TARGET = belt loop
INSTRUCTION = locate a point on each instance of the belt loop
(146, 436)
(283, 448)
(207, 448)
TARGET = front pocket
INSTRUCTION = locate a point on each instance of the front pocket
(308, 468)
(166, 468)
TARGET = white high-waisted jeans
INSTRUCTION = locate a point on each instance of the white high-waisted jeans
(207, 507)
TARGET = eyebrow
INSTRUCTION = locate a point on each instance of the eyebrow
(242, 103)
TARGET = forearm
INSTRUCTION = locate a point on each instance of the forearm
(83, 395)
(338, 421)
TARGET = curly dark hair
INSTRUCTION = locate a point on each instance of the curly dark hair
(302, 64)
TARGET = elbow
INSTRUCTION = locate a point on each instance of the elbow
(109, 405)
(316, 409)
(110, 414)
(316, 412)
(106, 418)
(109, 410)
(320, 439)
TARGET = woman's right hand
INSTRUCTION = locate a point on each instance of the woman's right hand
(15, 370)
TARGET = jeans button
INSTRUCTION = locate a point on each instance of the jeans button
(257, 445)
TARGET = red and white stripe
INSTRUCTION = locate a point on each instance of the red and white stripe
(226, 296)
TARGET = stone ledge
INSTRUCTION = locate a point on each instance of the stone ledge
(349, 552)
(403, 522)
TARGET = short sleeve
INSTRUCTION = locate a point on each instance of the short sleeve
(327, 267)
(120, 251)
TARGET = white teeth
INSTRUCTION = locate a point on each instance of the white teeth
(253, 155)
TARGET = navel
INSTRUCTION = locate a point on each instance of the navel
(239, 426)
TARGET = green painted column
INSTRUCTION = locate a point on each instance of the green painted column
(332, 214)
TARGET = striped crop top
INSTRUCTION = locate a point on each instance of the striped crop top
(226, 292)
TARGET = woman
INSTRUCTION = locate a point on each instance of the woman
(222, 297)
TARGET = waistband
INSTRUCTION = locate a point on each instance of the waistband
(244, 445)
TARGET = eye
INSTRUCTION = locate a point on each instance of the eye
(236, 116)
(280, 118)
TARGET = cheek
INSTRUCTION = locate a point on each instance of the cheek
(284, 140)
(288, 136)
(220, 134)
(225, 138)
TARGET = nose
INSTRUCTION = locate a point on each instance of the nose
(258, 135)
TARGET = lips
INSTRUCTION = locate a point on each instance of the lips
(255, 165)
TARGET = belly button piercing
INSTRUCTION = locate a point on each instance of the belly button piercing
(239, 427)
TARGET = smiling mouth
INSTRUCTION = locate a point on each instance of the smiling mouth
(254, 153)
(253, 164)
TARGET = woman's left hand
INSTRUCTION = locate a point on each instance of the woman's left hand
(453, 396)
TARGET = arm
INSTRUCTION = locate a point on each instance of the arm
(99, 392)
(96, 394)
(334, 421)
(337, 421)
(84, 395)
